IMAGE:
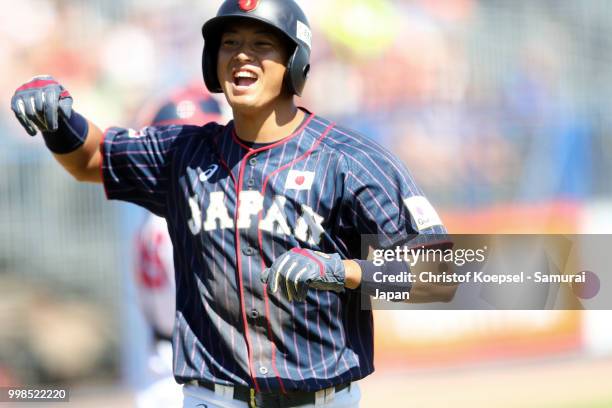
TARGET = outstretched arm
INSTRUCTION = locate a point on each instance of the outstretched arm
(42, 104)
(84, 162)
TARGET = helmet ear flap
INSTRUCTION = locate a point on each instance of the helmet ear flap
(298, 68)
(209, 67)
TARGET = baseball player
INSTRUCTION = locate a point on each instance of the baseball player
(154, 265)
(265, 215)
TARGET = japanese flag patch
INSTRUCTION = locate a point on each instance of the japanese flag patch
(422, 212)
(299, 180)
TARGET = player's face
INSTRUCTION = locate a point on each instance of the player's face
(251, 65)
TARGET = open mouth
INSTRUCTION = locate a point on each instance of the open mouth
(244, 78)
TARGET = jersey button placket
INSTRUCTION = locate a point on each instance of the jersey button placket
(255, 315)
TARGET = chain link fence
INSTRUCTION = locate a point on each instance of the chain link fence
(60, 273)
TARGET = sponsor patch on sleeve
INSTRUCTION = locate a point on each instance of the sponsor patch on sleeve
(422, 212)
(135, 134)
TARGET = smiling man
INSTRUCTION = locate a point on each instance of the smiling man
(265, 214)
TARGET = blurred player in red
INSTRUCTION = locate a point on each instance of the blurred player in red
(154, 263)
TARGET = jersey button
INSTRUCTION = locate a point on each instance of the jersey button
(248, 251)
(250, 182)
(253, 161)
(263, 370)
(254, 314)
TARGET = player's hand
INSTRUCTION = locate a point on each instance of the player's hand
(296, 271)
(38, 102)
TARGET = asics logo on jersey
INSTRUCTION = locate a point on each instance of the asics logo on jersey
(208, 173)
(308, 227)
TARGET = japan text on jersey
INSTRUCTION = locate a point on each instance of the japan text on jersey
(232, 209)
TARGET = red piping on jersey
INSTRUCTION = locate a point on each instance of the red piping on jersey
(243, 162)
(272, 145)
(251, 152)
(305, 253)
(259, 239)
(239, 265)
(237, 185)
(291, 163)
(102, 161)
(267, 311)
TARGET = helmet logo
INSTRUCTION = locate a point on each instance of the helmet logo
(248, 5)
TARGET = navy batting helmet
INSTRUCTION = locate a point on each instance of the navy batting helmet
(190, 105)
(284, 16)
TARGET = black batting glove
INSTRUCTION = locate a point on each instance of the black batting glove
(38, 102)
(300, 269)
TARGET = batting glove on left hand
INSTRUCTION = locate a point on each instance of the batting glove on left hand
(38, 102)
(296, 271)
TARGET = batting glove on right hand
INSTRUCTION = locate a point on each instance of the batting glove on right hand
(296, 271)
(38, 102)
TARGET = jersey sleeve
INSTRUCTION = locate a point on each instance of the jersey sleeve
(385, 203)
(135, 165)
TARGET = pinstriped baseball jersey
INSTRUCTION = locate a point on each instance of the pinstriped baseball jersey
(232, 209)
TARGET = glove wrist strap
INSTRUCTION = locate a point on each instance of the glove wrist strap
(69, 136)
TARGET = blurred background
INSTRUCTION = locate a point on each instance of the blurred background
(501, 110)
